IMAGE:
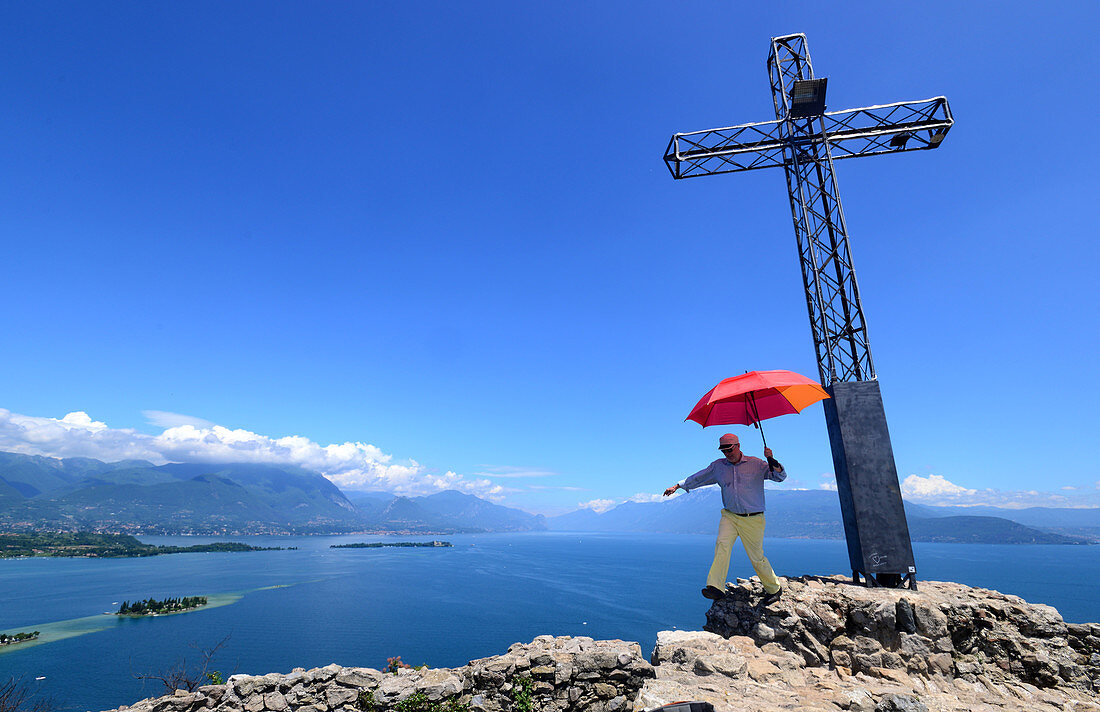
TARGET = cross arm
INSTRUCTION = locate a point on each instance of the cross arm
(889, 128)
(735, 148)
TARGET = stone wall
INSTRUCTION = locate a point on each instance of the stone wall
(561, 674)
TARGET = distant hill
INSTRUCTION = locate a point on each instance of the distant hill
(456, 507)
(136, 496)
(799, 514)
(32, 475)
(450, 511)
(1031, 516)
(43, 493)
(982, 530)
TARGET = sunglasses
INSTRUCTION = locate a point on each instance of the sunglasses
(728, 447)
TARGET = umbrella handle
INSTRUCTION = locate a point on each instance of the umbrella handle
(756, 423)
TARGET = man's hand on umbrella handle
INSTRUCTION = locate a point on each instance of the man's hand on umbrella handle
(767, 453)
(672, 489)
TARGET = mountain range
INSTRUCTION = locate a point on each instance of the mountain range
(134, 496)
(815, 514)
(45, 493)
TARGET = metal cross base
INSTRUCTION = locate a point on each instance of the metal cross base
(887, 580)
(867, 481)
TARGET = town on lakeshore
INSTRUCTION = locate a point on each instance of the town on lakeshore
(87, 544)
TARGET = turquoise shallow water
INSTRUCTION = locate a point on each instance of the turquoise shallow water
(314, 606)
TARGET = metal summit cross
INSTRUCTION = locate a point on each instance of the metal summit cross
(805, 140)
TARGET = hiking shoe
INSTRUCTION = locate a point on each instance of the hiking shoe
(770, 598)
(713, 593)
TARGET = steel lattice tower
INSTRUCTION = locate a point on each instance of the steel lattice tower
(805, 141)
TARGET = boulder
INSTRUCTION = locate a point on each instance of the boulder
(914, 632)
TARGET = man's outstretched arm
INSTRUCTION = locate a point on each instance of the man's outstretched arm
(699, 479)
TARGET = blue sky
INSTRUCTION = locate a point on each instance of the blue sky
(444, 231)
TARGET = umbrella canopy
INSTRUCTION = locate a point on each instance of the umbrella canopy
(754, 396)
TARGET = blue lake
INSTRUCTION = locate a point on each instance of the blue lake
(442, 607)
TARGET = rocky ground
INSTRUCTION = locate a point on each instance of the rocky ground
(825, 645)
(829, 645)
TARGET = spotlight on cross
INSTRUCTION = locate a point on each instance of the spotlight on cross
(808, 98)
(899, 140)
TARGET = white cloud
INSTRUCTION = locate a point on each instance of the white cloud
(75, 435)
(938, 490)
(80, 419)
(165, 419)
(828, 482)
(564, 488)
(350, 465)
(507, 471)
(599, 506)
(934, 489)
(602, 505)
(1069, 487)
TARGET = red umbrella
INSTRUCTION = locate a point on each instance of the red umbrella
(754, 396)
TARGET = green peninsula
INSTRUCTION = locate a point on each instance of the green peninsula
(86, 544)
(381, 544)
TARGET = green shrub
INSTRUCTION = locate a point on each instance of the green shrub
(394, 664)
(418, 702)
(523, 694)
(365, 701)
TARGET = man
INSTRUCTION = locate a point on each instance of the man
(742, 481)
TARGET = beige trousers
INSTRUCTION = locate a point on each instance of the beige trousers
(751, 531)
